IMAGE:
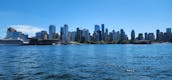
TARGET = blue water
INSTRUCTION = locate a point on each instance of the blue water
(86, 62)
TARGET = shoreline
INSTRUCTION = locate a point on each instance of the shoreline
(59, 42)
(102, 43)
(76, 44)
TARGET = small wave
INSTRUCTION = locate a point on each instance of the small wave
(60, 76)
(39, 73)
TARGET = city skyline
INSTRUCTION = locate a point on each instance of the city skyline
(96, 27)
(100, 34)
(142, 16)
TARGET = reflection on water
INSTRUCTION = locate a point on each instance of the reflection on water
(86, 62)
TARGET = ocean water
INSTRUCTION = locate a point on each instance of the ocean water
(86, 62)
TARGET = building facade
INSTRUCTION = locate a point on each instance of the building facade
(52, 31)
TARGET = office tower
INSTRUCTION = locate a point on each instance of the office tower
(103, 32)
(100, 35)
(85, 35)
(168, 30)
(151, 36)
(96, 36)
(161, 36)
(61, 33)
(146, 36)
(64, 33)
(140, 36)
(126, 37)
(97, 28)
(118, 35)
(91, 37)
(110, 36)
(52, 31)
(78, 35)
(157, 35)
(132, 35)
(106, 35)
(168, 35)
(69, 36)
(43, 35)
(73, 36)
(57, 36)
(113, 35)
(38, 35)
(122, 35)
(97, 33)
(165, 38)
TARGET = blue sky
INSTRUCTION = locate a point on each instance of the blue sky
(141, 15)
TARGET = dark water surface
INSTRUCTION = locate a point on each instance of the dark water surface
(86, 62)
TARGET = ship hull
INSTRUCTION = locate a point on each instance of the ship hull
(11, 42)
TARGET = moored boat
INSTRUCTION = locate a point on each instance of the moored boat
(10, 42)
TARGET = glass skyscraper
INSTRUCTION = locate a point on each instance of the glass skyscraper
(64, 33)
(52, 31)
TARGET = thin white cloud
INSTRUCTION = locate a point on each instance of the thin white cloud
(27, 29)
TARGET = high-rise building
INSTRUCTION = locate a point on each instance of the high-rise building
(151, 36)
(161, 36)
(97, 33)
(168, 35)
(52, 31)
(64, 33)
(61, 33)
(73, 36)
(132, 35)
(113, 35)
(106, 35)
(57, 36)
(103, 32)
(69, 36)
(122, 35)
(168, 30)
(97, 28)
(146, 36)
(43, 35)
(78, 35)
(140, 36)
(157, 35)
(110, 36)
(38, 35)
(85, 35)
(118, 35)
